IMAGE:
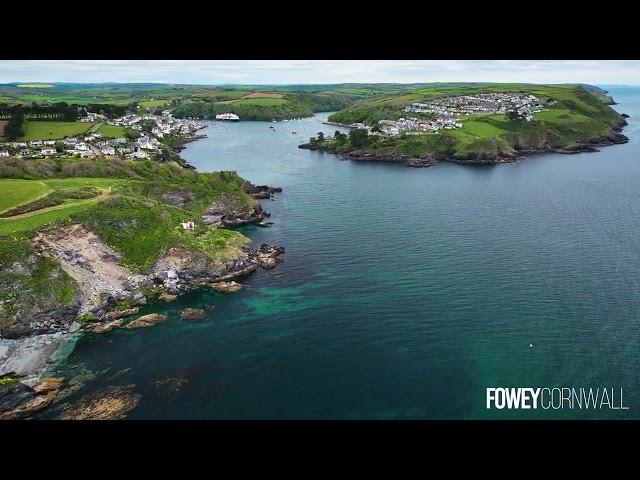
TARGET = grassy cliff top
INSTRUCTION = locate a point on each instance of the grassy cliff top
(576, 114)
(134, 207)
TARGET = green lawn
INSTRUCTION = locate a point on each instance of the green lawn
(480, 129)
(14, 192)
(25, 224)
(9, 188)
(45, 130)
(112, 131)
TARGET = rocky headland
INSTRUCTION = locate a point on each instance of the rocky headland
(87, 286)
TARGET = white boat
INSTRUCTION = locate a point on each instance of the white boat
(227, 117)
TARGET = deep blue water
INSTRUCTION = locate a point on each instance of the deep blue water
(404, 292)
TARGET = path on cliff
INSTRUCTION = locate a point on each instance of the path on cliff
(103, 194)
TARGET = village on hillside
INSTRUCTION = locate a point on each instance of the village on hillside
(93, 144)
(447, 112)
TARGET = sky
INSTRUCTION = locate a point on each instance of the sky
(217, 72)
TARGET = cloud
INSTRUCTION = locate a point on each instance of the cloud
(212, 72)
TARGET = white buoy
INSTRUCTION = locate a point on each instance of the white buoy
(530, 345)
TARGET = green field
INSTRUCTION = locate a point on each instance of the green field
(14, 192)
(262, 101)
(153, 103)
(112, 131)
(34, 85)
(45, 130)
(9, 189)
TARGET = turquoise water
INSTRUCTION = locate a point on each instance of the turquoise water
(404, 292)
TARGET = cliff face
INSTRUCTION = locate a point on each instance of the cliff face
(36, 294)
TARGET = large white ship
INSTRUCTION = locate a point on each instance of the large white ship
(227, 117)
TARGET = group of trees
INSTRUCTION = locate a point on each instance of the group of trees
(36, 111)
(358, 138)
(13, 129)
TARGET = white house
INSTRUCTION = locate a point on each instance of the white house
(147, 143)
(48, 151)
(82, 146)
(108, 150)
(4, 153)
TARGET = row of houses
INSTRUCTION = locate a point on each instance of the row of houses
(415, 125)
(481, 104)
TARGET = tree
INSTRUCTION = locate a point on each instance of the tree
(359, 138)
(376, 127)
(513, 115)
(13, 129)
(339, 136)
(320, 137)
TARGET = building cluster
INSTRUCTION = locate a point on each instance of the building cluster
(94, 145)
(481, 104)
(416, 126)
(165, 124)
(446, 112)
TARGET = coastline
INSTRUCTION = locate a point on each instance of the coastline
(29, 356)
(474, 158)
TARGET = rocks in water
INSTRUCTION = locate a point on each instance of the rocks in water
(260, 191)
(111, 403)
(167, 297)
(193, 314)
(226, 287)
(48, 385)
(146, 321)
(264, 224)
(266, 261)
(103, 327)
(421, 162)
(18, 400)
(120, 314)
(267, 255)
(172, 383)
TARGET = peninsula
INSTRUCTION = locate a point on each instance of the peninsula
(474, 124)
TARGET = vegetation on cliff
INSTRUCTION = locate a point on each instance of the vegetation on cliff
(138, 214)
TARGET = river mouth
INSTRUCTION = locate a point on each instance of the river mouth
(404, 293)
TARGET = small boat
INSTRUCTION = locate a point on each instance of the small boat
(294, 132)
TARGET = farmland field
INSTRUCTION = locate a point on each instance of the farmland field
(263, 95)
(262, 101)
(14, 192)
(112, 131)
(45, 130)
(34, 85)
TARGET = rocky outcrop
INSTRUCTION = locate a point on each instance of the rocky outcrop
(229, 211)
(18, 400)
(116, 314)
(226, 287)
(193, 314)
(111, 403)
(104, 327)
(260, 191)
(167, 297)
(179, 270)
(145, 321)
